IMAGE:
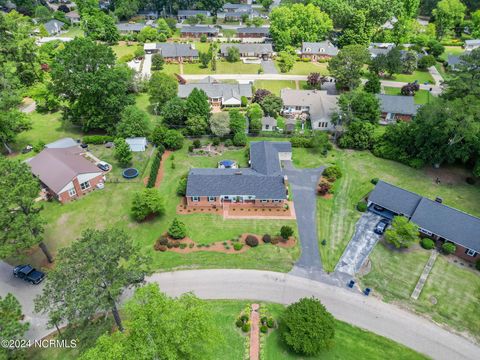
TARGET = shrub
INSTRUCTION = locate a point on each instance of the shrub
(177, 229)
(271, 323)
(170, 245)
(147, 202)
(238, 246)
(374, 181)
(228, 142)
(240, 139)
(190, 148)
(96, 139)
(182, 186)
(332, 173)
(246, 327)
(263, 320)
(176, 245)
(449, 248)
(264, 329)
(362, 206)
(266, 238)
(191, 245)
(183, 246)
(324, 187)
(477, 265)
(154, 169)
(276, 240)
(301, 141)
(427, 243)
(251, 241)
(286, 231)
(470, 180)
(162, 248)
(216, 141)
(197, 143)
(239, 323)
(163, 240)
(244, 318)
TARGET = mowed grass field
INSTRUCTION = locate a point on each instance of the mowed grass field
(419, 75)
(421, 97)
(350, 342)
(223, 67)
(450, 295)
(274, 86)
(305, 68)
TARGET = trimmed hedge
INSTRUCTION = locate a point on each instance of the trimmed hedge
(449, 248)
(251, 241)
(97, 139)
(427, 243)
(267, 238)
(477, 265)
(238, 246)
(155, 166)
(362, 206)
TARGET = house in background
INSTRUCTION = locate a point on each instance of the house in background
(253, 32)
(472, 44)
(269, 123)
(198, 31)
(148, 14)
(64, 173)
(73, 16)
(453, 61)
(137, 144)
(434, 219)
(219, 94)
(185, 14)
(125, 28)
(316, 105)
(172, 52)
(318, 50)
(235, 12)
(263, 51)
(376, 49)
(54, 27)
(262, 185)
(396, 107)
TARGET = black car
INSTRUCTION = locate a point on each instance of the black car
(381, 227)
(29, 274)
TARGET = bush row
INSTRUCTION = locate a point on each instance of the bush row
(155, 166)
(97, 139)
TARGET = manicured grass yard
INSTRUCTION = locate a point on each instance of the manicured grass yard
(422, 97)
(394, 275)
(223, 67)
(124, 49)
(452, 50)
(274, 86)
(74, 31)
(337, 215)
(171, 69)
(421, 76)
(305, 68)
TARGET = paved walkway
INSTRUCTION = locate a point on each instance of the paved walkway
(269, 67)
(255, 333)
(303, 183)
(423, 278)
(360, 246)
(147, 66)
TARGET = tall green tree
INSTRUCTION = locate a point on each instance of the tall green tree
(156, 329)
(410, 8)
(86, 282)
(94, 89)
(346, 67)
(465, 80)
(11, 325)
(146, 203)
(448, 15)
(290, 25)
(237, 122)
(198, 104)
(161, 88)
(133, 123)
(358, 105)
(401, 233)
(125, 9)
(272, 105)
(286, 61)
(20, 216)
(122, 152)
(174, 112)
(100, 26)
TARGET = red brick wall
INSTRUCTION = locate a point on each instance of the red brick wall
(460, 252)
(250, 35)
(64, 197)
(248, 203)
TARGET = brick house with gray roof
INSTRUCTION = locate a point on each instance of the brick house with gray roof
(172, 52)
(263, 51)
(396, 107)
(318, 50)
(434, 219)
(198, 31)
(260, 185)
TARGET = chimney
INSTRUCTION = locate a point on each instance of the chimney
(439, 199)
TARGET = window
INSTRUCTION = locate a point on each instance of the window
(72, 192)
(196, 198)
(471, 252)
(298, 108)
(211, 199)
(426, 232)
(264, 201)
(276, 201)
(85, 185)
(267, 126)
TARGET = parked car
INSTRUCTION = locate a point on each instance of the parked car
(103, 166)
(378, 208)
(381, 227)
(29, 274)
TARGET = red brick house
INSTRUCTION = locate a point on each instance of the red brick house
(253, 32)
(198, 31)
(396, 108)
(65, 173)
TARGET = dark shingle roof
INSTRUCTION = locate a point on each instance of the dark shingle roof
(323, 47)
(449, 223)
(254, 30)
(264, 156)
(131, 27)
(216, 90)
(397, 104)
(199, 29)
(395, 199)
(247, 48)
(193, 12)
(53, 26)
(173, 50)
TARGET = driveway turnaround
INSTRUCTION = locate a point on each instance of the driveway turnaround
(269, 67)
(360, 246)
(303, 183)
(366, 312)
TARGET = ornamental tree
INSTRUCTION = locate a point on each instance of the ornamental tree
(161, 88)
(402, 233)
(307, 327)
(315, 80)
(147, 202)
(122, 152)
(177, 229)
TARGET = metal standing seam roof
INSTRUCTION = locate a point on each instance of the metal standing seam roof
(323, 47)
(217, 90)
(263, 179)
(247, 48)
(395, 199)
(449, 223)
(397, 104)
(56, 167)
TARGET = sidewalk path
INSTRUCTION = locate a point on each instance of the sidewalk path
(254, 333)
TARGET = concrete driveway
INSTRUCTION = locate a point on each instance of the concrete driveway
(303, 183)
(147, 66)
(269, 67)
(360, 246)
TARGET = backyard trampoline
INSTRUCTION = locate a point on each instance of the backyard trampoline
(130, 173)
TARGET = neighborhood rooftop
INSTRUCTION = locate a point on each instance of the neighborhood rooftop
(321, 104)
(395, 199)
(323, 47)
(199, 29)
(125, 27)
(183, 13)
(264, 156)
(247, 48)
(216, 90)
(173, 50)
(397, 104)
(254, 30)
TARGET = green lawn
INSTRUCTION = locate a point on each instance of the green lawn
(421, 76)
(394, 276)
(74, 31)
(124, 49)
(305, 68)
(422, 97)
(111, 207)
(337, 216)
(350, 341)
(223, 67)
(452, 50)
(171, 69)
(274, 86)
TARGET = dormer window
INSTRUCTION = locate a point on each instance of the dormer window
(322, 50)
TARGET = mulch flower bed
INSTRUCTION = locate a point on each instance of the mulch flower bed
(187, 245)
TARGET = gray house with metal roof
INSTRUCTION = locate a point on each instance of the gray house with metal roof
(396, 107)
(433, 218)
(261, 185)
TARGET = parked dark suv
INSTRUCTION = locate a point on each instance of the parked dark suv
(29, 274)
(381, 227)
